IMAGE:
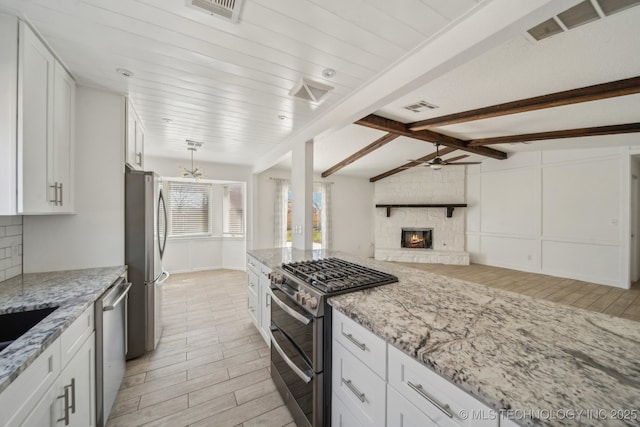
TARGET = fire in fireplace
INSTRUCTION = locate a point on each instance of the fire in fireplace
(417, 238)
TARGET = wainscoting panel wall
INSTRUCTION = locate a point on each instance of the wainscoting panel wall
(563, 213)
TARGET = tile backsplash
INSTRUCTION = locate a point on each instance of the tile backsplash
(10, 246)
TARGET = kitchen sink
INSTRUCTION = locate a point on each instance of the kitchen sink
(14, 325)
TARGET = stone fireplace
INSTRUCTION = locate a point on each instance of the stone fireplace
(446, 235)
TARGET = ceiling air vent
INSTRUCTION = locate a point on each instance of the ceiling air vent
(609, 7)
(580, 14)
(547, 29)
(310, 90)
(420, 106)
(229, 9)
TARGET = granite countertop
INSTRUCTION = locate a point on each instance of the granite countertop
(71, 291)
(510, 351)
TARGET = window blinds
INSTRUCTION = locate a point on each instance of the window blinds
(189, 210)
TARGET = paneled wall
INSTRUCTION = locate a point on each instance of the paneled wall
(10, 246)
(563, 213)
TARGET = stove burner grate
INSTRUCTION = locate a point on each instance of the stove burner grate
(332, 275)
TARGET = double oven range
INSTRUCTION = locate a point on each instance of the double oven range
(300, 330)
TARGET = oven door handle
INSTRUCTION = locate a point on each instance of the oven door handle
(291, 312)
(299, 372)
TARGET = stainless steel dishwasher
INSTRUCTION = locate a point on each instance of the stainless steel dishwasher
(111, 346)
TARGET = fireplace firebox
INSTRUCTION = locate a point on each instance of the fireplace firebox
(417, 238)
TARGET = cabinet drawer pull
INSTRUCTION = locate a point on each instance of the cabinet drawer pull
(361, 346)
(60, 201)
(354, 390)
(445, 409)
(68, 407)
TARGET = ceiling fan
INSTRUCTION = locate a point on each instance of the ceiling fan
(437, 163)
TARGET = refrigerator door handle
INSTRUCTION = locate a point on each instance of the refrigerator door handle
(161, 279)
(162, 238)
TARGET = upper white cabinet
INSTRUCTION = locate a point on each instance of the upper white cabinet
(37, 117)
(134, 139)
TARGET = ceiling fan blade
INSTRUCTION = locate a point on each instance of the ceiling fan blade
(453, 159)
(462, 163)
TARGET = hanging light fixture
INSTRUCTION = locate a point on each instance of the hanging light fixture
(193, 172)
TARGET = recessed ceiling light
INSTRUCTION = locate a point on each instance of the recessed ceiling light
(125, 72)
(328, 72)
(282, 117)
(167, 120)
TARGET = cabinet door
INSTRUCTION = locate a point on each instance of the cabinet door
(253, 291)
(44, 413)
(35, 103)
(79, 380)
(62, 147)
(265, 307)
(130, 139)
(402, 413)
(139, 145)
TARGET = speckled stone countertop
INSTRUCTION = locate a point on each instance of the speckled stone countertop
(71, 291)
(510, 351)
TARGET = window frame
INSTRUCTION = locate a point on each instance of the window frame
(167, 190)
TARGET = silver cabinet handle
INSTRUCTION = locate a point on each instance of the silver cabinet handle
(274, 344)
(291, 312)
(68, 389)
(61, 194)
(139, 158)
(354, 390)
(267, 299)
(119, 299)
(361, 346)
(445, 409)
(55, 193)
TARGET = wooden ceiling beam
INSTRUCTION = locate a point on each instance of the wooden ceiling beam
(573, 96)
(392, 126)
(361, 153)
(416, 162)
(559, 134)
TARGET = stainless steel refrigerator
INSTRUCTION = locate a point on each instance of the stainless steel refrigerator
(145, 241)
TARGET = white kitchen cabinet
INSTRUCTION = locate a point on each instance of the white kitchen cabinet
(402, 413)
(265, 302)
(258, 297)
(37, 147)
(63, 376)
(357, 387)
(438, 399)
(134, 139)
(341, 416)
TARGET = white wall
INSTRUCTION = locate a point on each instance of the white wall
(207, 253)
(94, 236)
(352, 212)
(562, 213)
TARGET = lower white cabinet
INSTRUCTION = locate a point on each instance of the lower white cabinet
(357, 387)
(402, 413)
(258, 296)
(71, 400)
(58, 388)
(378, 385)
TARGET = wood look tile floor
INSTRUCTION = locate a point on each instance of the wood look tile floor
(210, 367)
(617, 302)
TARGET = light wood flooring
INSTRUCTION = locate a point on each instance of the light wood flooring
(617, 302)
(210, 367)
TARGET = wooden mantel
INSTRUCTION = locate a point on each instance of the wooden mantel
(449, 206)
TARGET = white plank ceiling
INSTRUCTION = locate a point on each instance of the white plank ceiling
(227, 84)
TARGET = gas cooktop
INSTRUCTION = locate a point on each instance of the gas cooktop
(334, 275)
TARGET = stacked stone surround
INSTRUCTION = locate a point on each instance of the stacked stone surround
(421, 185)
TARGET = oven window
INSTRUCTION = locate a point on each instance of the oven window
(301, 391)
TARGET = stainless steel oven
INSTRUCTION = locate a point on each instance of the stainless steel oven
(297, 354)
(300, 331)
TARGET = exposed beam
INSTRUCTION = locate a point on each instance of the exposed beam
(573, 96)
(361, 153)
(559, 134)
(393, 126)
(416, 162)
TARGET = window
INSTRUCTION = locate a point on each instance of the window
(189, 209)
(316, 217)
(233, 210)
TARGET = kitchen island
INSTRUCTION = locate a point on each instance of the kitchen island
(71, 291)
(540, 362)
